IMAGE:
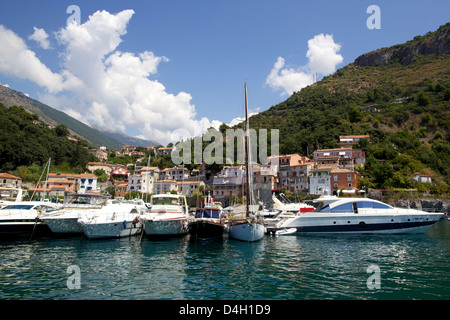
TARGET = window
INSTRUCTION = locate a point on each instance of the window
(335, 177)
(349, 185)
(346, 207)
(365, 205)
(377, 205)
(349, 177)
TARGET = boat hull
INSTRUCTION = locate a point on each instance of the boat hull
(206, 230)
(113, 229)
(17, 228)
(363, 224)
(163, 228)
(64, 225)
(246, 231)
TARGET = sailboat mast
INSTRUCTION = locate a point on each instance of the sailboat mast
(246, 155)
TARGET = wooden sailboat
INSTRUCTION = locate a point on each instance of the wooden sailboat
(248, 227)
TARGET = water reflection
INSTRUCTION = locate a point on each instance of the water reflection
(289, 267)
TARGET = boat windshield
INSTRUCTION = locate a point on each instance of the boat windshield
(354, 206)
(84, 200)
(166, 201)
(207, 213)
(18, 207)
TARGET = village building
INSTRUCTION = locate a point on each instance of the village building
(164, 186)
(228, 183)
(164, 150)
(422, 178)
(187, 188)
(348, 141)
(9, 181)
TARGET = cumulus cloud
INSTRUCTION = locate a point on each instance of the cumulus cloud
(322, 57)
(41, 37)
(17, 60)
(103, 86)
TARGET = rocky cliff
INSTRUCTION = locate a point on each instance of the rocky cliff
(437, 42)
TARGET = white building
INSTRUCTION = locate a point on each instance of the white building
(319, 181)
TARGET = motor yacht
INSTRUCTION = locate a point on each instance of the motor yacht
(168, 216)
(24, 218)
(358, 215)
(118, 219)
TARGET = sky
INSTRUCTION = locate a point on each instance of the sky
(166, 70)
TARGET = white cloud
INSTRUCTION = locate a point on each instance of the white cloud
(41, 37)
(117, 90)
(322, 57)
(101, 85)
(17, 60)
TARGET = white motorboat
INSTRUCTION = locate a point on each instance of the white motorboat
(75, 206)
(248, 227)
(294, 207)
(358, 215)
(168, 216)
(118, 219)
(24, 218)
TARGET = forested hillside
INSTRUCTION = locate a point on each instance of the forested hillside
(27, 141)
(400, 96)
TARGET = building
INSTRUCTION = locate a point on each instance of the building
(422, 178)
(178, 173)
(289, 170)
(108, 168)
(187, 188)
(58, 184)
(265, 180)
(164, 150)
(319, 180)
(9, 181)
(348, 141)
(346, 157)
(343, 181)
(298, 176)
(228, 183)
(100, 154)
(164, 186)
(121, 189)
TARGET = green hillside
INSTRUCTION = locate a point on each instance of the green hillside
(400, 96)
(27, 141)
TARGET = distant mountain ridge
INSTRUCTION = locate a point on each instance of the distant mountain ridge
(51, 116)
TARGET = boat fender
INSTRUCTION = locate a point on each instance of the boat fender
(124, 224)
(136, 220)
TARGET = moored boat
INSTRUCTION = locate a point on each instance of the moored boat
(75, 206)
(23, 218)
(207, 223)
(246, 227)
(168, 216)
(117, 220)
(359, 215)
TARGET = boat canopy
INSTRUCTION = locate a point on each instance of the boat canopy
(353, 204)
(208, 213)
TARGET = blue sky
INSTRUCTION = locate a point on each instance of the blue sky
(196, 54)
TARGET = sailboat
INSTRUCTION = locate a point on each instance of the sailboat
(246, 227)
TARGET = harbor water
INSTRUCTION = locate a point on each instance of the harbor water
(291, 267)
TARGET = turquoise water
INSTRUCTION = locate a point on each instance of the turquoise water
(294, 267)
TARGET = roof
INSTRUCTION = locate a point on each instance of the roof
(354, 136)
(335, 149)
(9, 176)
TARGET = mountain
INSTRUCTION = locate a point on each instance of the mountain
(53, 117)
(127, 140)
(399, 95)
